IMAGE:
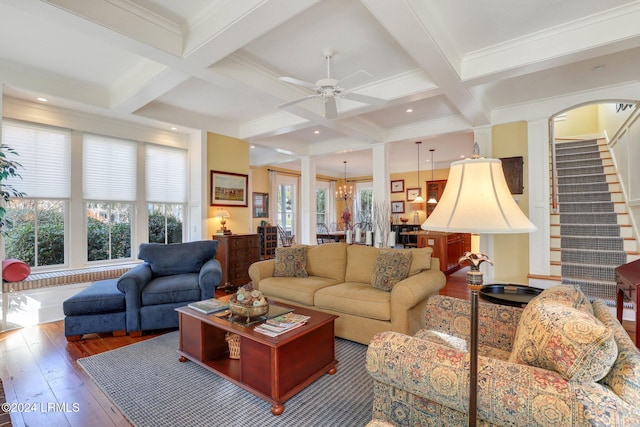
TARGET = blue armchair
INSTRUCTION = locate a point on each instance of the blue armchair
(172, 275)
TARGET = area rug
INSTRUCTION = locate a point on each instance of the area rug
(152, 388)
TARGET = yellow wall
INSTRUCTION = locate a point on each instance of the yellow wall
(583, 121)
(511, 251)
(227, 154)
(411, 181)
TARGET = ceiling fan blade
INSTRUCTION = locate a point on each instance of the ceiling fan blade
(298, 82)
(354, 79)
(295, 101)
(330, 109)
(378, 102)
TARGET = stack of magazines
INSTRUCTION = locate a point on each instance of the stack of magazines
(281, 324)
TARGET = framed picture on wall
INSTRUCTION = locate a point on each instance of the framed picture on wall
(397, 186)
(397, 207)
(412, 193)
(261, 205)
(229, 189)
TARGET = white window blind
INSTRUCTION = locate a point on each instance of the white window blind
(45, 154)
(166, 174)
(109, 168)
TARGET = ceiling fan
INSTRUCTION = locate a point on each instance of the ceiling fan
(327, 89)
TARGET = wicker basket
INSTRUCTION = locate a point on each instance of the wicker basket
(234, 345)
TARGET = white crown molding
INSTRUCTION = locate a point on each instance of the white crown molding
(578, 37)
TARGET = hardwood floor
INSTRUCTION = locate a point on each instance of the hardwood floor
(40, 372)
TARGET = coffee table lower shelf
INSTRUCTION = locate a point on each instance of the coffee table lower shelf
(273, 369)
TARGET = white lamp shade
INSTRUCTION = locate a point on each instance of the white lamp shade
(477, 200)
(222, 213)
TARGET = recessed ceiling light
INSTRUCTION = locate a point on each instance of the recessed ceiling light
(174, 128)
(252, 146)
(282, 151)
(316, 132)
(41, 99)
(462, 156)
(409, 110)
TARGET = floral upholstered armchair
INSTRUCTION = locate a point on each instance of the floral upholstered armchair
(560, 361)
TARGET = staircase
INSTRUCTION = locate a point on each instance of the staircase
(591, 233)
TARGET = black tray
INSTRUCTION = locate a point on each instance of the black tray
(508, 294)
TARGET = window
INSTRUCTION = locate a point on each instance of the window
(286, 204)
(364, 203)
(165, 222)
(322, 203)
(166, 192)
(109, 191)
(36, 224)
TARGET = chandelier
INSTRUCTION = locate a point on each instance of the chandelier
(345, 193)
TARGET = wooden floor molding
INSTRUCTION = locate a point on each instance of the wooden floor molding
(39, 367)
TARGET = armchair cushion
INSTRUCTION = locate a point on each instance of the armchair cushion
(564, 340)
(170, 289)
(177, 258)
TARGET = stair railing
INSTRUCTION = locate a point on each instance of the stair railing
(554, 172)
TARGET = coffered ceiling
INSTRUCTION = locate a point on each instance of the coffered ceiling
(214, 65)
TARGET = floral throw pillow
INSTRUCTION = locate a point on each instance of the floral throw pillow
(563, 339)
(291, 262)
(392, 266)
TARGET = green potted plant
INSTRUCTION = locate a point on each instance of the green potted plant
(8, 168)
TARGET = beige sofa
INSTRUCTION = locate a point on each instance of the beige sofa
(339, 282)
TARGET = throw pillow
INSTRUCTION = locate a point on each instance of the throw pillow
(569, 295)
(392, 266)
(291, 262)
(563, 339)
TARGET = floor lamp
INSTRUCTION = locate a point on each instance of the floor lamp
(477, 200)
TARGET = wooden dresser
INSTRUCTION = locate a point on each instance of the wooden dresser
(448, 247)
(236, 252)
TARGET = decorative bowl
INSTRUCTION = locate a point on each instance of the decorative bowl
(248, 311)
(404, 220)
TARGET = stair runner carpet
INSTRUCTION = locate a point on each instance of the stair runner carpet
(591, 243)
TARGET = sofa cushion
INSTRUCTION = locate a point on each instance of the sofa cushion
(358, 299)
(420, 259)
(392, 266)
(328, 260)
(291, 262)
(177, 258)
(298, 290)
(361, 262)
(563, 339)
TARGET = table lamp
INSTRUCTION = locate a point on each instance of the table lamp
(223, 214)
(477, 200)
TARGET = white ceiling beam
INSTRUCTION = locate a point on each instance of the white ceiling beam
(409, 23)
(605, 33)
(428, 129)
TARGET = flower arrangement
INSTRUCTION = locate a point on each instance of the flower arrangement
(346, 218)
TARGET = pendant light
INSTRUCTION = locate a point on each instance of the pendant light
(432, 200)
(419, 199)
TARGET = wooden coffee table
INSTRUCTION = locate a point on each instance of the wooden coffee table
(274, 369)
